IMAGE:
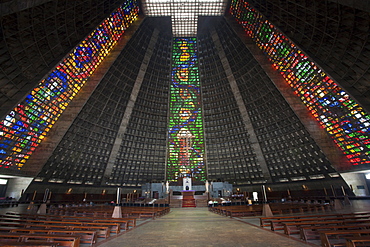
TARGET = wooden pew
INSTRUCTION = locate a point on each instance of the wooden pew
(294, 228)
(276, 208)
(12, 224)
(143, 214)
(62, 240)
(265, 221)
(28, 244)
(237, 211)
(281, 224)
(241, 211)
(86, 236)
(111, 222)
(114, 227)
(125, 222)
(101, 231)
(313, 232)
(103, 228)
(106, 211)
(328, 240)
(357, 241)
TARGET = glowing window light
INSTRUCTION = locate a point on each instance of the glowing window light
(186, 145)
(184, 13)
(24, 127)
(345, 120)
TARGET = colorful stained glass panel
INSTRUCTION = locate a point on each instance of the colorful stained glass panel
(26, 125)
(186, 149)
(342, 117)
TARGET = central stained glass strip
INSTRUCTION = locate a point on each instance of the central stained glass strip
(186, 142)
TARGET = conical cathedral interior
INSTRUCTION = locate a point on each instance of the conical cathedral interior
(104, 94)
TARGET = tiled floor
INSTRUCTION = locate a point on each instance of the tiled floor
(190, 227)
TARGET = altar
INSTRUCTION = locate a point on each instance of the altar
(163, 190)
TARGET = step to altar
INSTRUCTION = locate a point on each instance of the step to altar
(188, 203)
(188, 200)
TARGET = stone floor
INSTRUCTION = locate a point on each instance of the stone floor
(198, 227)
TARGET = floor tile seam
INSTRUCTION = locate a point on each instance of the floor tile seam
(274, 232)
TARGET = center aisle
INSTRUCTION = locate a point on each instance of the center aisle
(198, 227)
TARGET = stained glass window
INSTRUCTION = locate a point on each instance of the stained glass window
(336, 111)
(26, 126)
(186, 145)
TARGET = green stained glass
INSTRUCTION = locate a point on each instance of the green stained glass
(186, 149)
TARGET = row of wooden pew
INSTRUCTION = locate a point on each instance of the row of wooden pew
(339, 229)
(106, 211)
(72, 228)
(276, 208)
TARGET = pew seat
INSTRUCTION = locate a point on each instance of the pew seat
(313, 232)
(62, 240)
(86, 236)
(28, 244)
(338, 238)
(357, 241)
(294, 228)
